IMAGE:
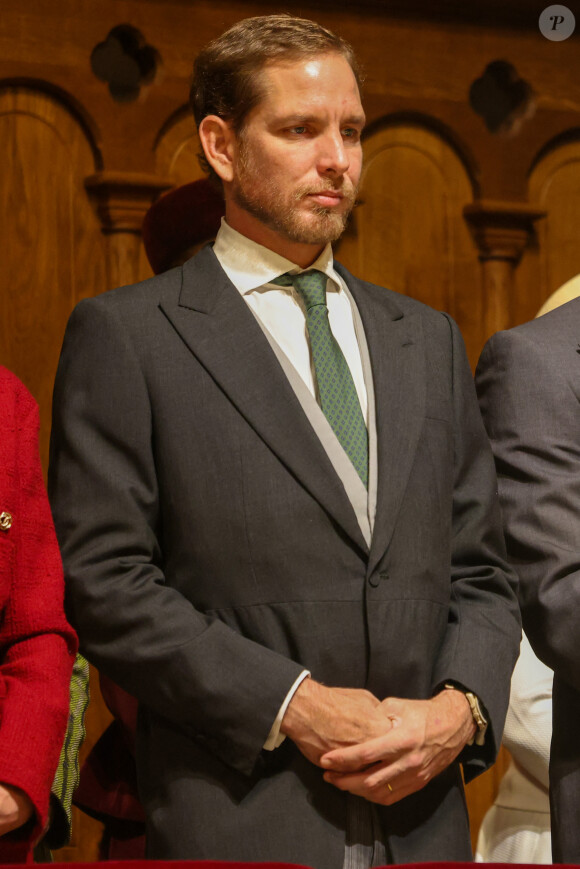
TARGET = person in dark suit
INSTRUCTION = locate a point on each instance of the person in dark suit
(276, 504)
(528, 380)
(175, 227)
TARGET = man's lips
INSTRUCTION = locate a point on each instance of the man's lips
(327, 198)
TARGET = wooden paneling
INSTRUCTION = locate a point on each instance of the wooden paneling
(408, 233)
(51, 252)
(554, 254)
(176, 151)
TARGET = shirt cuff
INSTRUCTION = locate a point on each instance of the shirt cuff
(275, 738)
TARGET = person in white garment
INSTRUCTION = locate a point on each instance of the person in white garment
(516, 829)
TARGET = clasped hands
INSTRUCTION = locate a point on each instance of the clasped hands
(382, 751)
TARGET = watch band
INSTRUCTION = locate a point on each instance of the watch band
(476, 711)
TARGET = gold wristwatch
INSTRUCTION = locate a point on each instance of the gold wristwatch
(476, 711)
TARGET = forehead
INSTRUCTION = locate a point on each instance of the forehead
(323, 83)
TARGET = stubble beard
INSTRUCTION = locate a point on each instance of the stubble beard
(314, 224)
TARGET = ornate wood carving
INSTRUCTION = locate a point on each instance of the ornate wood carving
(501, 231)
(121, 200)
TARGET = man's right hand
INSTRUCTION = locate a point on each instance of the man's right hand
(319, 719)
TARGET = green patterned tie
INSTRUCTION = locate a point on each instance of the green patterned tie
(338, 396)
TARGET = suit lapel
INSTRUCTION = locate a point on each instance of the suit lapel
(397, 361)
(215, 323)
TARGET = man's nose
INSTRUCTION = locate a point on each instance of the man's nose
(333, 158)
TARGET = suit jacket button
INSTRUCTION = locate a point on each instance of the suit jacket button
(5, 521)
(376, 578)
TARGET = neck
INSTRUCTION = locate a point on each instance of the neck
(301, 254)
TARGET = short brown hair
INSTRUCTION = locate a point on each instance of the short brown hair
(226, 73)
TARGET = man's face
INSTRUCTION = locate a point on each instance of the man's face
(297, 162)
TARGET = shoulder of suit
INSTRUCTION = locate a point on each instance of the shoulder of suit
(138, 298)
(150, 288)
(555, 329)
(406, 304)
(548, 345)
(203, 266)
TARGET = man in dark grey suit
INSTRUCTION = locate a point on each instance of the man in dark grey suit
(268, 478)
(528, 380)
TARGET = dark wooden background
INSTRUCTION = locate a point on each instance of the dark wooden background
(481, 224)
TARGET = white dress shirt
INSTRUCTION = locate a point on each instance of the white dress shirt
(281, 312)
(250, 267)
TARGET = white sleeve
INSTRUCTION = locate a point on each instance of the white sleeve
(528, 728)
(275, 738)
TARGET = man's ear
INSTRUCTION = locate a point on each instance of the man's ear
(218, 142)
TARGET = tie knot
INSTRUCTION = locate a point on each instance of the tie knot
(311, 286)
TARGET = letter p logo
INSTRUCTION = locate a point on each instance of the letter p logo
(557, 23)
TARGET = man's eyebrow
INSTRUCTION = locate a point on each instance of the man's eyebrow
(295, 119)
(357, 120)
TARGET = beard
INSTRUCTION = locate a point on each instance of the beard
(261, 197)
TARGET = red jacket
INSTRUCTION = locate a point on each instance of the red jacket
(37, 645)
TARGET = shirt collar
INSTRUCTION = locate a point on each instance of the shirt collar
(249, 265)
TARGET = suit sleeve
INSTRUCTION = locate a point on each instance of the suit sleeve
(222, 689)
(532, 415)
(37, 644)
(483, 634)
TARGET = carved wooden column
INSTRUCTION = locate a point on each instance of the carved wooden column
(501, 231)
(122, 199)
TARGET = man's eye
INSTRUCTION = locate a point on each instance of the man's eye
(350, 133)
(300, 130)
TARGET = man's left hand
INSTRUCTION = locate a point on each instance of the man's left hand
(426, 736)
